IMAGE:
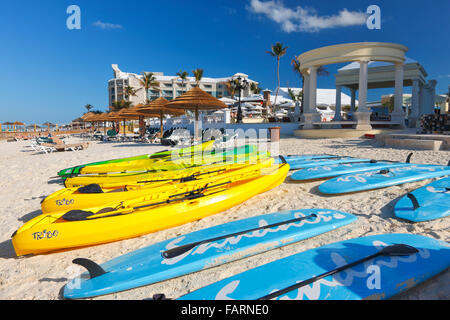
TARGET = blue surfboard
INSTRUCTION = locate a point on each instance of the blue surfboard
(294, 158)
(218, 245)
(308, 163)
(334, 170)
(382, 178)
(378, 278)
(427, 203)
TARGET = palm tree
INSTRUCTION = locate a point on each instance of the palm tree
(129, 92)
(89, 107)
(149, 82)
(230, 86)
(198, 74)
(277, 51)
(296, 67)
(321, 71)
(121, 104)
(254, 87)
(183, 76)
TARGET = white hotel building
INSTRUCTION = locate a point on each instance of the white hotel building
(170, 86)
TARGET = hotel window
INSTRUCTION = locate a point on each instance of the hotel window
(168, 85)
(208, 86)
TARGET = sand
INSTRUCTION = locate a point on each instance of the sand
(26, 177)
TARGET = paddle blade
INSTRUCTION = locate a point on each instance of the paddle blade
(399, 250)
(77, 215)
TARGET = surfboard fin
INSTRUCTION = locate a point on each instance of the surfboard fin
(159, 296)
(94, 269)
(408, 158)
(413, 200)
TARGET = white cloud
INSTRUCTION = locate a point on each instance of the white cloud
(106, 25)
(304, 19)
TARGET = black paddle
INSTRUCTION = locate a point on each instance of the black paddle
(80, 215)
(392, 250)
(183, 179)
(174, 252)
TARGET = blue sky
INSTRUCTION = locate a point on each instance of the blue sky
(49, 72)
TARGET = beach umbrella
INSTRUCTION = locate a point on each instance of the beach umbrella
(160, 108)
(136, 113)
(48, 125)
(196, 99)
(17, 123)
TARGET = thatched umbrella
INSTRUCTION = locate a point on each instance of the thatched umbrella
(17, 123)
(136, 113)
(160, 108)
(196, 99)
(48, 125)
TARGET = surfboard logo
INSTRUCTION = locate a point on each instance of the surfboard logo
(436, 190)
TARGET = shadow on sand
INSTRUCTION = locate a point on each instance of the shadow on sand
(7, 250)
(29, 216)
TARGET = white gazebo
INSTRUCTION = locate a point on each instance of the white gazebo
(383, 75)
(361, 54)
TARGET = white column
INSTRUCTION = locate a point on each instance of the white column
(353, 100)
(306, 93)
(398, 98)
(310, 115)
(312, 89)
(362, 90)
(414, 104)
(362, 116)
(337, 114)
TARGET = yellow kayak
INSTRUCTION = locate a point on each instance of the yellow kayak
(93, 196)
(175, 161)
(73, 171)
(52, 232)
(109, 181)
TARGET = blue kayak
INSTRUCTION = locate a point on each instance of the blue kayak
(382, 178)
(203, 249)
(309, 163)
(324, 274)
(334, 170)
(427, 203)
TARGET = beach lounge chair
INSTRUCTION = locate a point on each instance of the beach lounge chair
(59, 145)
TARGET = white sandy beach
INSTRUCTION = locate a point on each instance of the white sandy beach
(26, 177)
